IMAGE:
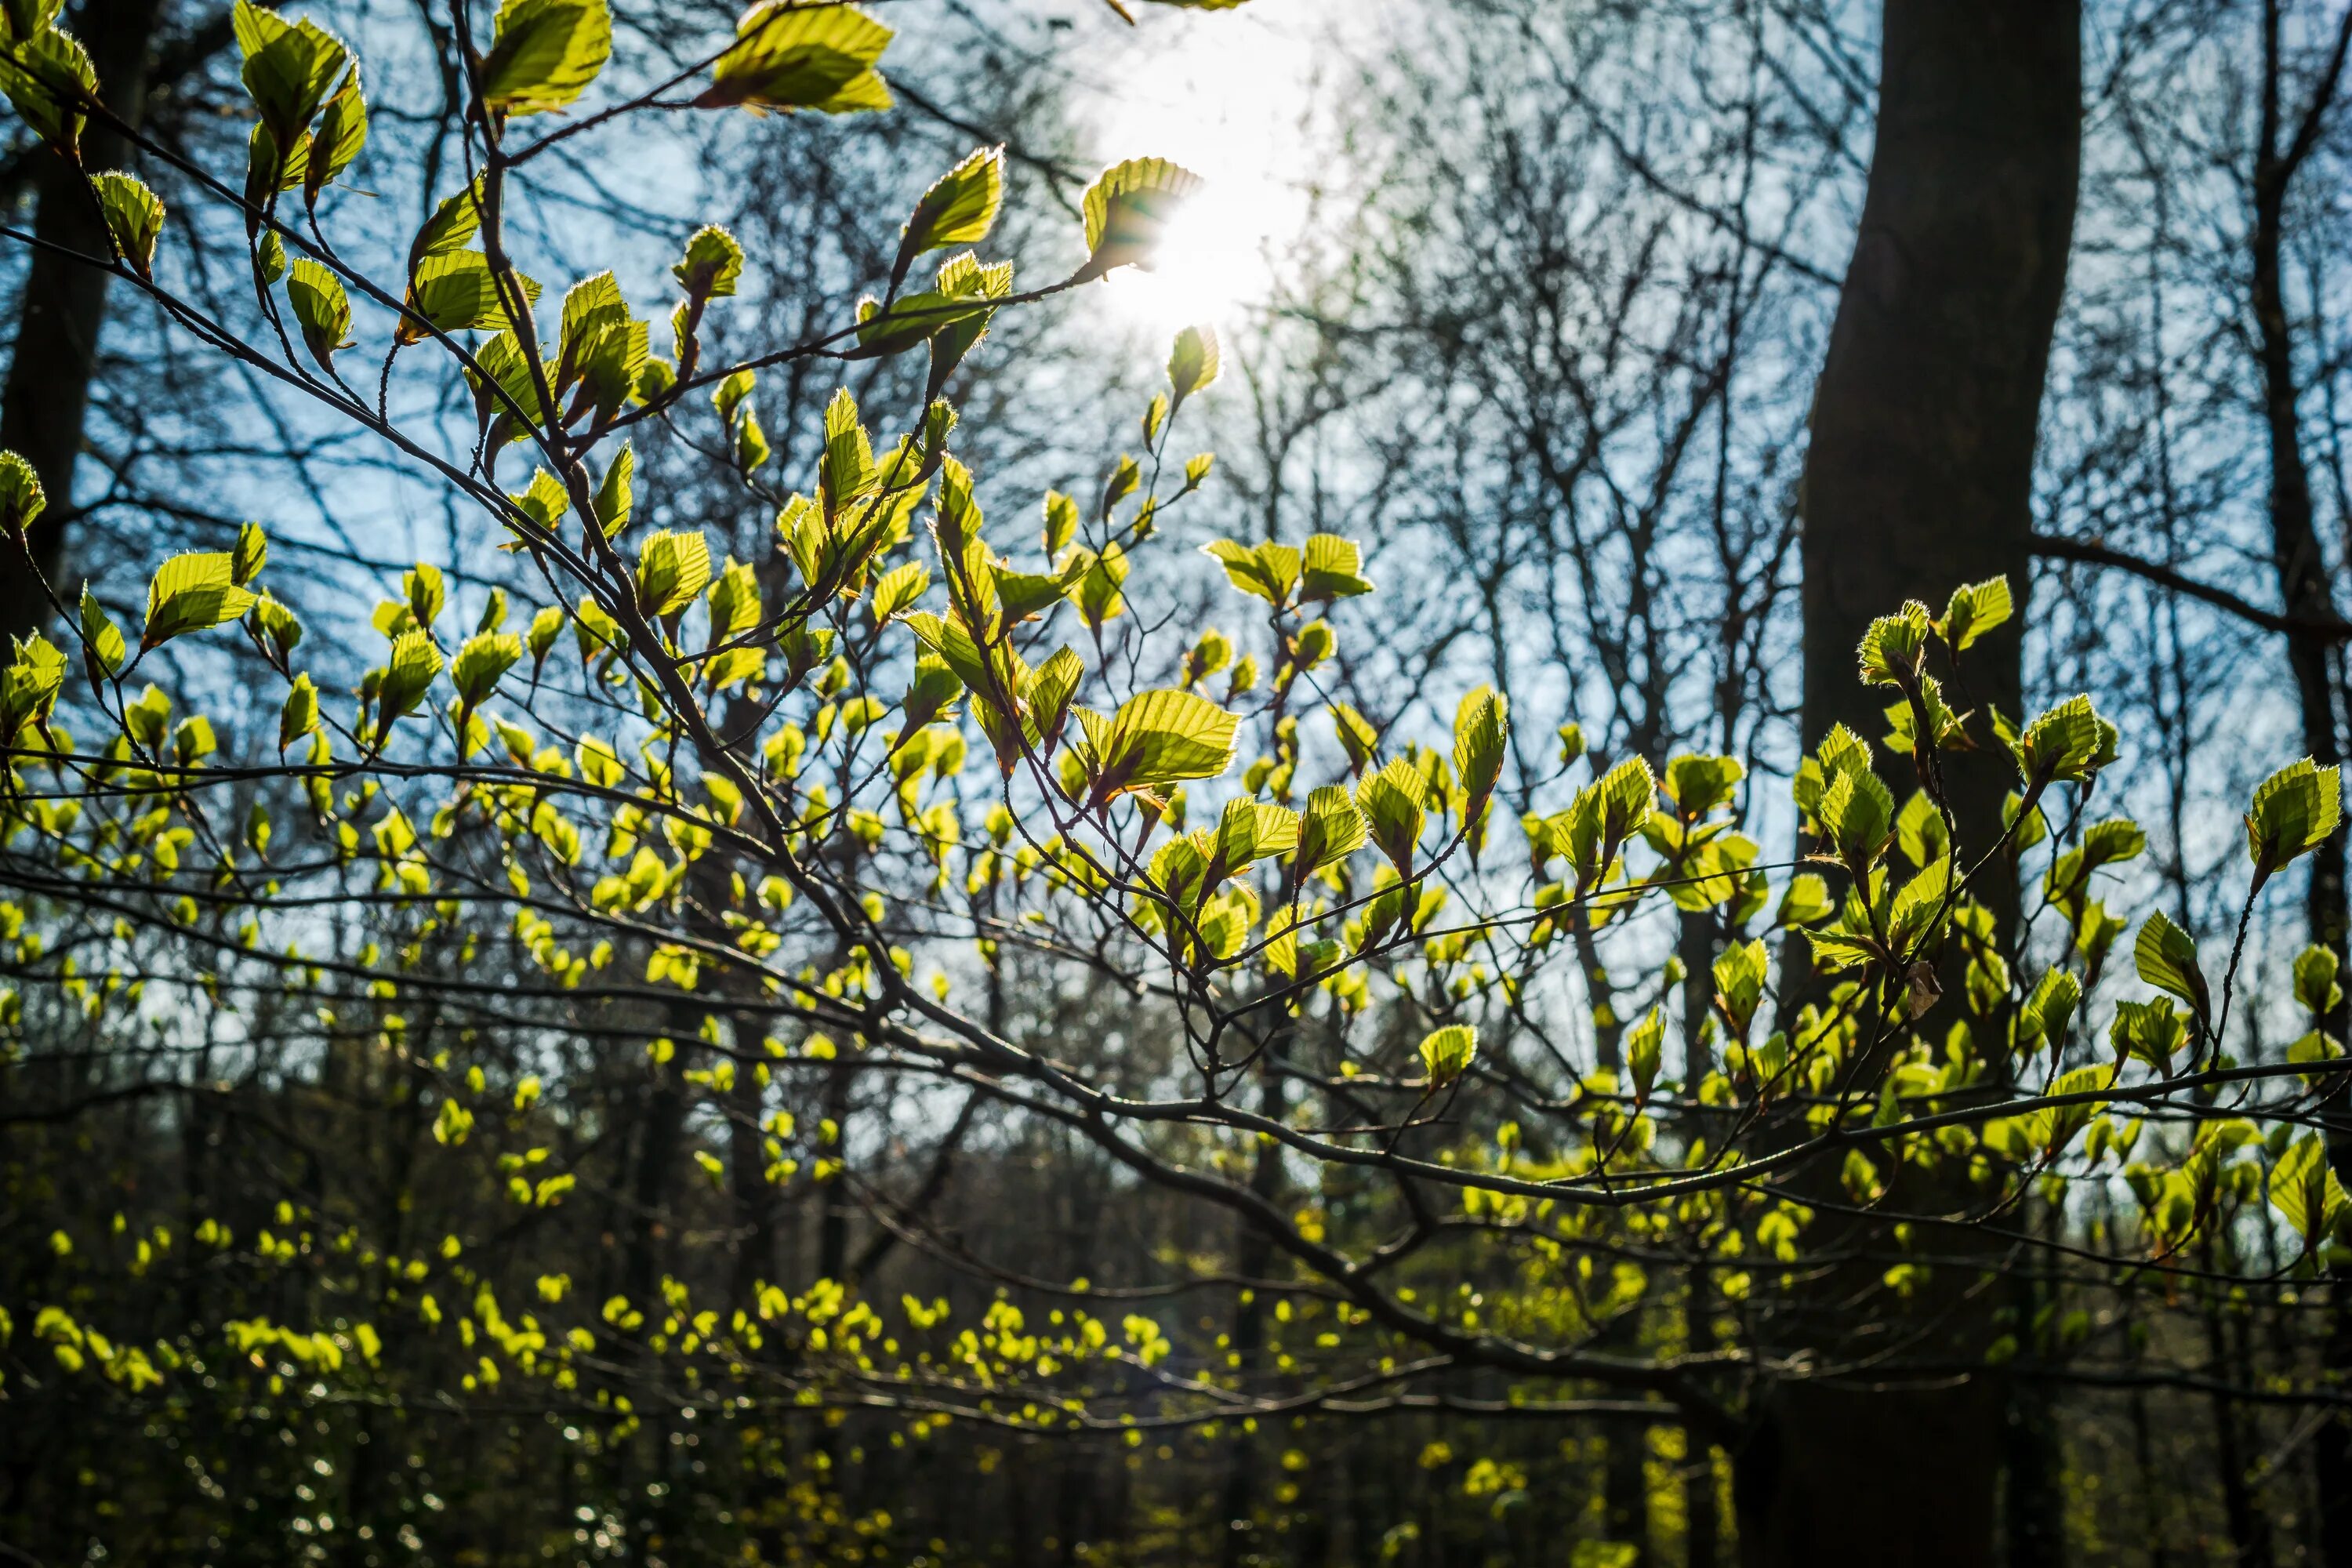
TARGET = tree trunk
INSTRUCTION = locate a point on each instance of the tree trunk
(1917, 478)
(2305, 596)
(64, 307)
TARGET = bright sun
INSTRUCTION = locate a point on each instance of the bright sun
(1221, 95)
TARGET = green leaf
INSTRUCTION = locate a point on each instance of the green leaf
(1192, 363)
(2148, 1031)
(456, 220)
(1446, 1053)
(1329, 830)
(1482, 727)
(2166, 957)
(1061, 521)
(22, 499)
(288, 67)
(299, 716)
(1333, 570)
(545, 54)
(100, 637)
(1858, 812)
(1046, 695)
(1973, 610)
(252, 553)
(455, 292)
(2070, 743)
(1893, 646)
(1391, 801)
(320, 308)
(192, 592)
(408, 674)
(1127, 210)
(28, 692)
(2305, 1188)
(673, 568)
(134, 219)
(1740, 973)
(1806, 899)
(712, 266)
(1159, 738)
(2315, 980)
(48, 79)
(1099, 596)
(2295, 811)
(341, 133)
(1698, 785)
(615, 495)
(959, 208)
(481, 661)
(1644, 1050)
(278, 625)
(790, 56)
(2049, 1011)
(1267, 571)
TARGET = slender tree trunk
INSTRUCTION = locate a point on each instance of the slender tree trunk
(63, 309)
(1918, 477)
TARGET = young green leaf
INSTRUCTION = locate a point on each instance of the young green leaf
(48, 79)
(480, 662)
(1393, 802)
(712, 266)
(1446, 1053)
(1192, 363)
(22, 499)
(299, 716)
(2295, 811)
(288, 67)
(959, 208)
(341, 133)
(252, 553)
(1333, 570)
(321, 309)
(192, 592)
(2166, 957)
(673, 568)
(1127, 211)
(544, 53)
(101, 639)
(1974, 609)
(789, 56)
(408, 674)
(134, 219)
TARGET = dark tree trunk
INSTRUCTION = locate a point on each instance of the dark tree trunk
(64, 306)
(1917, 478)
(2305, 596)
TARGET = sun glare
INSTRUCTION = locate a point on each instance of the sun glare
(1220, 94)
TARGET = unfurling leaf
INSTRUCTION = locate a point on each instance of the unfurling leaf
(2295, 811)
(1446, 1053)
(321, 309)
(713, 264)
(134, 219)
(1975, 608)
